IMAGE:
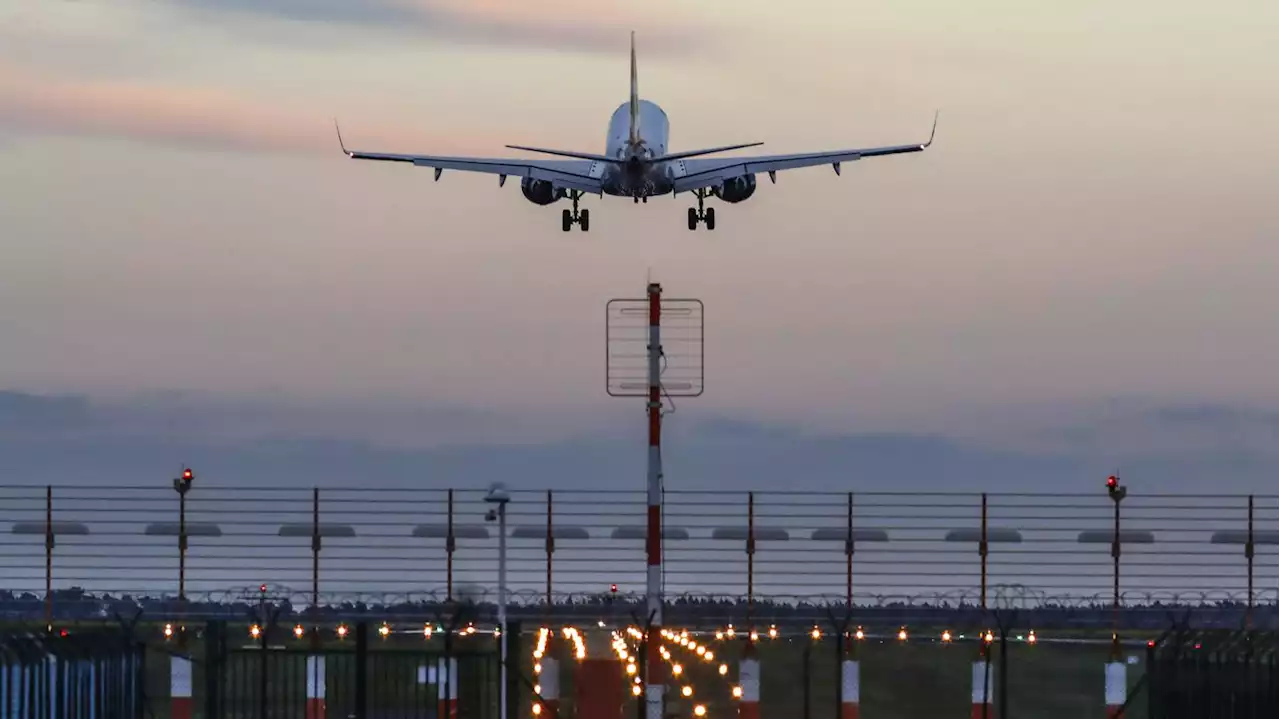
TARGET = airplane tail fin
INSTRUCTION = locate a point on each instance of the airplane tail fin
(635, 96)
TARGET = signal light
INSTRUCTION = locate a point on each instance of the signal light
(255, 631)
(168, 631)
(859, 635)
(188, 475)
(946, 635)
(298, 631)
(613, 588)
(1031, 637)
(262, 588)
(773, 632)
(816, 633)
(1114, 489)
(342, 631)
(902, 634)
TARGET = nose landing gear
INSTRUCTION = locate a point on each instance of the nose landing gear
(706, 215)
(568, 218)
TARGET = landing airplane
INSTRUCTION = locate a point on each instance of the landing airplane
(637, 164)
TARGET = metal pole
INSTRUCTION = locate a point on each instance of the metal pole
(985, 646)
(751, 564)
(848, 552)
(1248, 556)
(550, 550)
(502, 606)
(448, 550)
(182, 548)
(48, 558)
(1115, 586)
(654, 685)
(315, 568)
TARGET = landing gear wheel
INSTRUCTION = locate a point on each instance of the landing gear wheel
(693, 218)
(566, 220)
(584, 220)
(709, 217)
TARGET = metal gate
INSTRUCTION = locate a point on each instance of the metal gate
(77, 675)
(356, 679)
(1212, 675)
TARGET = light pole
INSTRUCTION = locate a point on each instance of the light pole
(499, 496)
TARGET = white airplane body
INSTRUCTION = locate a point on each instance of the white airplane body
(637, 164)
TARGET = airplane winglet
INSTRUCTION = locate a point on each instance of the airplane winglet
(933, 131)
(345, 151)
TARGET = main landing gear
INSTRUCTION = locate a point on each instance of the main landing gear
(568, 218)
(701, 213)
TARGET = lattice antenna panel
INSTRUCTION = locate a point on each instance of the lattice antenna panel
(627, 339)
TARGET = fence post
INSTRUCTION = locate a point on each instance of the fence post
(362, 670)
(214, 648)
(48, 558)
(980, 699)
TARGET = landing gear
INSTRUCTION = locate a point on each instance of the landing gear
(701, 213)
(570, 217)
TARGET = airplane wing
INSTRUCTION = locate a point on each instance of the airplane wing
(582, 175)
(697, 174)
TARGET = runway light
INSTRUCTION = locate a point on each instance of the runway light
(709, 656)
(719, 635)
(699, 711)
(676, 669)
(773, 632)
(988, 637)
(342, 631)
(537, 688)
(537, 709)
(816, 633)
(859, 635)
(255, 631)
(724, 669)
(298, 631)
(1031, 638)
(701, 650)
(737, 692)
(426, 631)
(754, 636)
(635, 690)
(537, 668)
(902, 634)
(946, 635)
(686, 690)
(631, 669)
(168, 631)
(384, 630)
(729, 631)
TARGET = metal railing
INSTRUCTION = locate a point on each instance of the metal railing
(63, 549)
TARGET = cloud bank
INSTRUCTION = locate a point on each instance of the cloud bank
(278, 442)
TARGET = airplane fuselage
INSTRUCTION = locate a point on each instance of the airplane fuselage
(637, 176)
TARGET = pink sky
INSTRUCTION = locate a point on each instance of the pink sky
(1097, 218)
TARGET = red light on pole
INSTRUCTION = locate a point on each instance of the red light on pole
(613, 588)
(187, 474)
(1112, 482)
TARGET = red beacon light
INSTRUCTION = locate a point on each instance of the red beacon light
(613, 588)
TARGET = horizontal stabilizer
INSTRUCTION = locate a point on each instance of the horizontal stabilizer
(708, 151)
(565, 153)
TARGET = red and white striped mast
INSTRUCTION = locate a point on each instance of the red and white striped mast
(654, 684)
(631, 321)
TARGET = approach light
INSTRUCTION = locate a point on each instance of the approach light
(686, 690)
(737, 692)
(816, 633)
(946, 635)
(902, 634)
(168, 631)
(342, 631)
(859, 635)
(255, 631)
(724, 669)
(298, 631)
(699, 711)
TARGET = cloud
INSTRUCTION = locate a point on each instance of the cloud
(185, 116)
(278, 442)
(572, 25)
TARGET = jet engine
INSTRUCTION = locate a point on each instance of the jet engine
(541, 192)
(737, 189)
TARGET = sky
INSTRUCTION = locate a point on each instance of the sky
(1077, 278)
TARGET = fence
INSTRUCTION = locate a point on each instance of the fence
(1213, 674)
(79, 552)
(81, 675)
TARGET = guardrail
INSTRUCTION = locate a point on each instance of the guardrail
(63, 547)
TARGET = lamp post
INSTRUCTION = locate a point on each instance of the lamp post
(499, 496)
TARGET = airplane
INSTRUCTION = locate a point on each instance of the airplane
(637, 163)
